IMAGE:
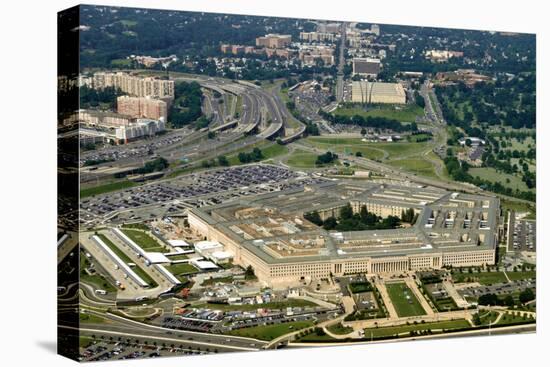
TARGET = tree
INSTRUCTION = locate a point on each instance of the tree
(222, 161)
(314, 217)
(526, 296)
(346, 212)
(509, 301)
(330, 223)
(249, 272)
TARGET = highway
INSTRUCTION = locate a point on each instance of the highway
(120, 326)
(341, 63)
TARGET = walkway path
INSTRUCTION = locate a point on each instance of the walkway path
(423, 302)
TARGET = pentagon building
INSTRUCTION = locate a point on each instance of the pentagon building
(269, 231)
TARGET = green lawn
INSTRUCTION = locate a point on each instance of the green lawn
(520, 275)
(178, 257)
(144, 240)
(121, 63)
(96, 280)
(85, 342)
(302, 159)
(274, 150)
(90, 318)
(393, 150)
(404, 306)
(484, 278)
(399, 150)
(406, 329)
(491, 174)
(340, 329)
(181, 269)
(519, 207)
(418, 166)
(270, 332)
(402, 113)
(510, 318)
(268, 151)
(121, 254)
(102, 189)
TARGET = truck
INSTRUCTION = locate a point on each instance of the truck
(101, 291)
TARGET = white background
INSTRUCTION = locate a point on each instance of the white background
(28, 181)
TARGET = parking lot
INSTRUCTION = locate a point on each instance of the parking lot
(498, 289)
(113, 350)
(522, 235)
(198, 189)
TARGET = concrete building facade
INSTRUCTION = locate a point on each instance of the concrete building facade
(142, 107)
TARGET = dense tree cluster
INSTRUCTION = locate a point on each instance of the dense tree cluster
(349, 221)
(254, 156)
(510, 102)
(409, 216)
(419, 100)
(369, 121)
(93, 98)
(459, 172)
(186, 106)
(155, 165)
(326, 158)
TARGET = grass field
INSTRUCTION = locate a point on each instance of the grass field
(144, 240)
(510, 318)
(302, 159)
(121, 254)
(340, 329)
(268, 152)
(406, 329)
(401, 113)
(181, 269)
(404, 301)
(97, 281)
(491, 174)
(519, 207)
(270, 332)
(178, 257)
(393, 150)
(121, 63)
(85, 342)
(270, 306)
(90, 318)
(102, 189)
(485, 278)
(520, 275)
(418, 166)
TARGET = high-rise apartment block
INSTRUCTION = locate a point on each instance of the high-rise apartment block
(135, 85)
(274, 40)
(138, 107)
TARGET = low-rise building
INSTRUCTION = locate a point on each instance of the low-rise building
(366, 66)
(374, 92)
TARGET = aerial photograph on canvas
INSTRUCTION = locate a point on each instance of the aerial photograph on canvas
(249, 183)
